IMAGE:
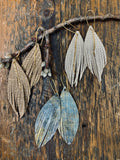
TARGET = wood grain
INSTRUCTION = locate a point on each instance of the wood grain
(98, 136)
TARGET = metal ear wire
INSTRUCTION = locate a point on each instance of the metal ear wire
(62, 81)
(55, 88)
(86, 17)
(36, 34)
(67, 83)
(73, 26)
(68, 29)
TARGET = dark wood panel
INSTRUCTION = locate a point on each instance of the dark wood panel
(98, 136)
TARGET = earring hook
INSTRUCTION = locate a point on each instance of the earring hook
(62, 80)
(55, 88)
(67, 84)
(43, 30)
(68, 29)
(72, 25)
(86, 17)
(17, 57)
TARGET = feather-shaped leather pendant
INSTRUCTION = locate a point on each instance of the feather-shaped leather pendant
(32, 65)
(47, 121)
(74, 61)
(95, 53)
(69, 117)
(18, 89)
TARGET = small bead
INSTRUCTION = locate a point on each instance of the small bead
(49, 74)
(43, 64)
(43, 74)
(46, 70)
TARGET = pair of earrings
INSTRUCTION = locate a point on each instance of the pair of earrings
(22, 78)
(81, 54)
(60, 112)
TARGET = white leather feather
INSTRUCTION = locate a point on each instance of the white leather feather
(74, 61)
(93, 45)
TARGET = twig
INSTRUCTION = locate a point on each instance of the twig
(47, 50)
(59, 26)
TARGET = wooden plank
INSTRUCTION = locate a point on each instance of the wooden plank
(98, 136)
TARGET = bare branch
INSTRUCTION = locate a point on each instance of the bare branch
(60, 26)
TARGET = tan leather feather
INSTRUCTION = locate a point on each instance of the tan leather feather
(18, 89)
(32, 65)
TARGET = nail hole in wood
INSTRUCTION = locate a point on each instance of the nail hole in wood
(84, 125)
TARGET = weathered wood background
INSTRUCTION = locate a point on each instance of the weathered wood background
(98, 136)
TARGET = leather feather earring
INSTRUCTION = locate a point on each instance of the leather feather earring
(95, 53)
(60, 112)
(47, 120)
(32, 63)
(69, 120)
(18, 89)
(74, 61)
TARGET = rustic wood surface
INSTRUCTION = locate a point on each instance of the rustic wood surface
(98, 136)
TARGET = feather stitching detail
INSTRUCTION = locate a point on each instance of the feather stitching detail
(74, 61)
(32, 65)
(69, 117)
(47, 121)
(18, 89)
(95, 53)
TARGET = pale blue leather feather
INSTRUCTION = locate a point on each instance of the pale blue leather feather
(69, 117)
(47, 121)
